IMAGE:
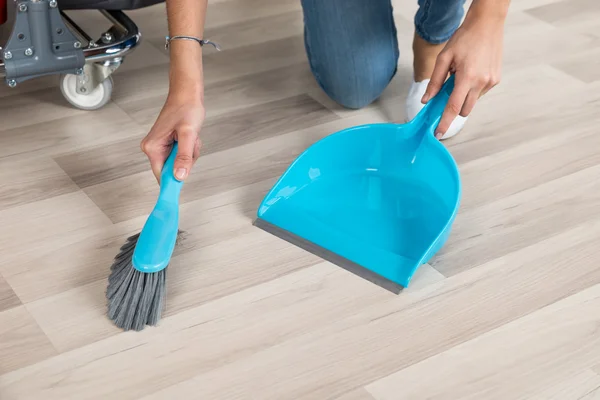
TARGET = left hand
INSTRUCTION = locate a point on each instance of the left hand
(474, 55)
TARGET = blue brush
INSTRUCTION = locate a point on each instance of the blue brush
(137, 282)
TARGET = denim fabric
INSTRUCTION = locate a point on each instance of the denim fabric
(437, 20)
(352, 46)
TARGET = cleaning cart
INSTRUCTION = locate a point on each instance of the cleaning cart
(44, 40)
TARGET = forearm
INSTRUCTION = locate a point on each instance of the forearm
(186, 17)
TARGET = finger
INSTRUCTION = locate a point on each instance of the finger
(490, 84)
(453, 107)
(197, 149)
(156, 164)
(186, 139)
(440, 72)
(469, 103)
(157, 154)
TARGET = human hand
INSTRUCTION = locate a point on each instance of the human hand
(180, 120)
(474, 56)
(182, 115)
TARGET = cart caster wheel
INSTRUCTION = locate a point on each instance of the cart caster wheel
(96, 99)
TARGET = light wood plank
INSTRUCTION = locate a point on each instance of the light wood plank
(525, 166)
(263, 121)
(36, 107)
(264, 316)
(234, 94)
(261, 57)
(33, 231)
(491, 231)
(68, 134)
(26, 179)
(582, 386)
(530, 354)
(584, 66)
(205, 274)
(594, 394)
(565, 11)
(230, 13)
(99, 164)
(518, 6)
(525, 32)
(579, 16)
(8, 298)
(74, 261)
(256, 30)
(358, 394)
(392, 335)
(29, 86)
(22, 342)
(131, 86)
(77, 317)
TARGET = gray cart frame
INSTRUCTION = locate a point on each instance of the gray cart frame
(45, 41)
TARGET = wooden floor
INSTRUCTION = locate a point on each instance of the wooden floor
(510, 308)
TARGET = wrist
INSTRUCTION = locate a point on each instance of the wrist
(182, 94)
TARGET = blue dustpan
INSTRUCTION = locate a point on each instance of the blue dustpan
(378, 200)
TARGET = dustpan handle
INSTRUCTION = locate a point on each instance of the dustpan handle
(436, 106)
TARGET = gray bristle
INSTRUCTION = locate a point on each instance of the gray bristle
(135, 299)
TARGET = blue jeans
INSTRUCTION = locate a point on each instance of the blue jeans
(352, 45)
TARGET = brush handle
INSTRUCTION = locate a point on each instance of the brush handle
(170, 187)
(435, 107)
(156, 242)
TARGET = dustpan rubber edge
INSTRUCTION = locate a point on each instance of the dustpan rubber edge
(328, 256)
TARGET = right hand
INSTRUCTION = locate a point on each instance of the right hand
(180, 120)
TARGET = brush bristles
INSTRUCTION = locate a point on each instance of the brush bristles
(135, 299)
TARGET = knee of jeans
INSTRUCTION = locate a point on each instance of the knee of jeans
(359, 82)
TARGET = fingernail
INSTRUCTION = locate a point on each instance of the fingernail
(425, 98)
(180, 173)
(438, 135)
